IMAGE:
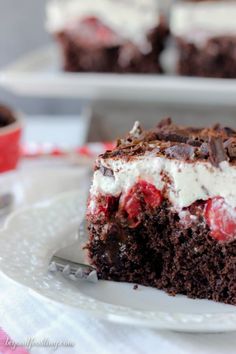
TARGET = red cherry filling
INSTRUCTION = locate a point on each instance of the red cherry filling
(102, 206)
(140, 196)
(192, 214)
(95, 31)
(221, 218)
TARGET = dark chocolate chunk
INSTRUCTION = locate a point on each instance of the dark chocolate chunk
(217, 152)
(181, 152)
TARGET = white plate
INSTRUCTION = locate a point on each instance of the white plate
(35, 183)
(39, 74)
(30, 238)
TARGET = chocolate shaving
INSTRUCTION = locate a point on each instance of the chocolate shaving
(216, 127)
(229, 131)
(173, 137)
(106, 171)
(230, 146)
(217, 152)
(188, 143)
(164, 122)
(203, 151)
(194, 142)
(181, 152)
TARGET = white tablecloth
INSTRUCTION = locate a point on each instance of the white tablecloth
(24, 317)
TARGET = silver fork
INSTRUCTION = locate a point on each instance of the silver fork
(69, 269)
(74, 270)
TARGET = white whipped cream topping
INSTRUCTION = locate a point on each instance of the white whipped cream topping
(189, 181)
(130, 19)
(197, 22)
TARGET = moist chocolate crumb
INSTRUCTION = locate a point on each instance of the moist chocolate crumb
(217, 152)
(166, 254)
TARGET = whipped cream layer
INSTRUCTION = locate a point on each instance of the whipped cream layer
(197, 22)
(184, 182)
(130, 19)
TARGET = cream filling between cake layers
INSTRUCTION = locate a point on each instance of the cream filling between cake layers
(130, 19)
(184, 182)
(197, 22)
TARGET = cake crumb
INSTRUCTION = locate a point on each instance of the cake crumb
(135, 287)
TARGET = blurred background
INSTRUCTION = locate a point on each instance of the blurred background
(22, 30)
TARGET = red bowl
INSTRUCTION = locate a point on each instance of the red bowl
(10, 136)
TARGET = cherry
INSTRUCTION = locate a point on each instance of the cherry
(95, 30)
(221, 218)
(141, 195)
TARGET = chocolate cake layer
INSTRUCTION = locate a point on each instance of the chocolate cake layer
(109, 36)
(216, 58)
(163, 253)
(125, 58)
(206, 44)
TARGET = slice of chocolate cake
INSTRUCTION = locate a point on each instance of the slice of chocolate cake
(205, 33)
(108, 35)
(162, 211)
